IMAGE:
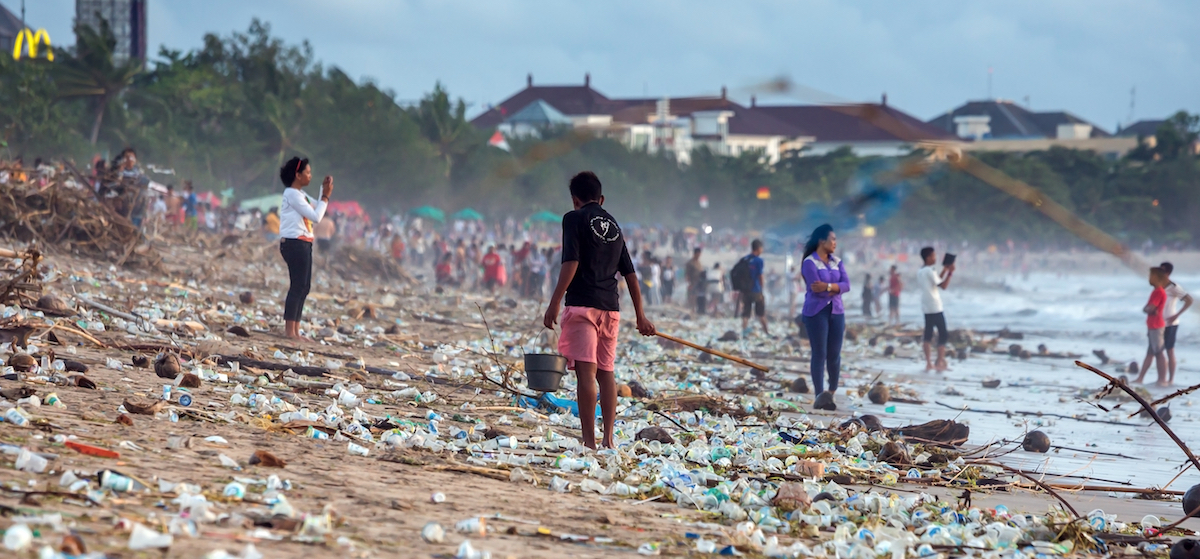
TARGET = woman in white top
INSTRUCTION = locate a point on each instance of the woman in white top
(296, 218)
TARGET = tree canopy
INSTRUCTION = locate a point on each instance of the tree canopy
(226, 115)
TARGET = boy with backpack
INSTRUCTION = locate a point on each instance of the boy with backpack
(746, 278)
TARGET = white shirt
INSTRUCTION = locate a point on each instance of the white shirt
(928, 279)
(1174, 295)
(296, 215)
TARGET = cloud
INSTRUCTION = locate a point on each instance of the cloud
(929, 56)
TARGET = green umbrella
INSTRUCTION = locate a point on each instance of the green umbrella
(545, 216)
(430, 212)
(468, 214)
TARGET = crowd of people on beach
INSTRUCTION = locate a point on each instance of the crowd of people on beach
(523, 259)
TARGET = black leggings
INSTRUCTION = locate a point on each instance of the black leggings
(298, 255)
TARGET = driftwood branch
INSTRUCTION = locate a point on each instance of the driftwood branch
(1036, 482)
(271, 365)
(1171, 396)
(1145, 405)
(140, 321)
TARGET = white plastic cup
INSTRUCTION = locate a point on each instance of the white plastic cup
(31, 462)
(18, 537)
(115, 482)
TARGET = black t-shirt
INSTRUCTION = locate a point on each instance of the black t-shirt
(592, 237)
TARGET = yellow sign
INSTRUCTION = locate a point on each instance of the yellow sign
(33, 39)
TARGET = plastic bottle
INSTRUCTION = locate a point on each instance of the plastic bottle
(14, 416)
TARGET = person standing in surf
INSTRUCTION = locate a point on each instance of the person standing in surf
(296, 218)
(1156, 327)
(1175, 295)
(930, 281)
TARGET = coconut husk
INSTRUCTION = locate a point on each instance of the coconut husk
(189, 380)
(1036, 441)
(167, 366)
(879, 394)
(267, 460)
(895, 454)
(22, 362)
(142, 406)
(654, 434)
(942, 431)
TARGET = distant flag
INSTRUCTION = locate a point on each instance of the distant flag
(499, 141)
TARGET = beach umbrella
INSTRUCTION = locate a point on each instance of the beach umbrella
(468, 214)
(430, 212)
(545, 216)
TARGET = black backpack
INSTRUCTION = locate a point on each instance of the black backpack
(739, 277)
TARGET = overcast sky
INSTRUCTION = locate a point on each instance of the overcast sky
(1082, 56)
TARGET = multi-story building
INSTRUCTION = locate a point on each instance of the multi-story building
(680, 124)
(1001, 125)
(10, 27)
(127, 18)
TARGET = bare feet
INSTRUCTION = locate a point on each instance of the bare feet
(1137, 380)
(941, 366)
(1162, 384)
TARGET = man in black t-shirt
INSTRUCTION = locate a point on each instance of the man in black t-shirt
(593, 254)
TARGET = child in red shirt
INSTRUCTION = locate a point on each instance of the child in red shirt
(1156, 327)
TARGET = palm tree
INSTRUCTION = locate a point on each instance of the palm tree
(445, 125)
(91, 73)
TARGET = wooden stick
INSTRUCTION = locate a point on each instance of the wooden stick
(78, 332)
(1046, 487)
(243, 361)
(1179, 392)
(477, 470)
(1114, 489)
(1145, 405)
(711, 351)
(105, 308)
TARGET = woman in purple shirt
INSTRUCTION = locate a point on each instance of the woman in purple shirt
(825, 281)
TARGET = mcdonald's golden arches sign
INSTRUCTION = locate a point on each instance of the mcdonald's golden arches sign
(31, 40)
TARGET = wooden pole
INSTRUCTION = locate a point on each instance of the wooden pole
(1146, 406)
(711, 351)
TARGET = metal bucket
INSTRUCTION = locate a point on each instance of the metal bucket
(544, 372)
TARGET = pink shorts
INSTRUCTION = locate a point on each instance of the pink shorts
(589, 335)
